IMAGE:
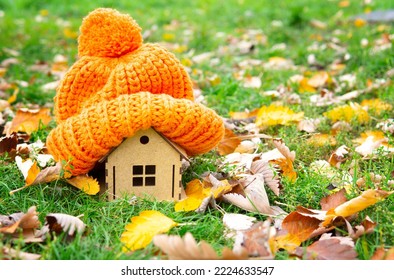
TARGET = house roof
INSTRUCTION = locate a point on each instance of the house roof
(176, 147)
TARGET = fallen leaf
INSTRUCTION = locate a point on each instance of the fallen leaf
(383, 254)
(376, 106)
(257, 240)
(329, 248)
(333, 200)
(198, 192)
(277, 115)
(85, 183)
(229, 142)
(8, 143)
(319, 79)
(348, 113)
(357, 204)
(308, 125)
(26, 120)
(58, 223)
(140, 232)
(186, 248)
(11, 254)
(237, 221)
(270, 179)
(285, 164)
(338, 156)
(322, 139)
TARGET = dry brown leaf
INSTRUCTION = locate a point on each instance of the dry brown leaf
(257, 240)
(186, 248)
(8, 143)
(333, 200)
(58, 223)
(270, 179)
(26, 222)
(255, 199)
(331, 248)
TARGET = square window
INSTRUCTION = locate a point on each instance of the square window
(138, 170)
(150, 181)
(138, 182)
(150, 170)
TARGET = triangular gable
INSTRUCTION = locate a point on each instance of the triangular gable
(176, 147)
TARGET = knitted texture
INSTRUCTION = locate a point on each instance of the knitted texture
(111, 52)
(120, 85)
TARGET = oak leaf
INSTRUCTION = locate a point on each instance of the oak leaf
(187, 248)
(140, 232)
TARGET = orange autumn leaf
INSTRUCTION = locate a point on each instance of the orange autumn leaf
(285, 164)
(32, 174)
(29, 120)
(229, 143)
(243, 115)
(357, 204)
(85, 183)
(359, 22)
(277, 115)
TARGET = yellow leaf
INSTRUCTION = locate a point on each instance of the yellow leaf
(348, 113)
(321, 139)
(140, 232)
(2, 72)
(85, 183)
(286, 165)
(14, 95)
(376, 106)
(277, 115)
(355, 205)
(196, 192)
(358, 22)
(29, 120)
(375, 135)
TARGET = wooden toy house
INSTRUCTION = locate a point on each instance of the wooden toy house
(146, 164)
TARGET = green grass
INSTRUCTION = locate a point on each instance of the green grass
(38, 38)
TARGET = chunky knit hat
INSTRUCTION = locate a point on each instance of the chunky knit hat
(120, 85)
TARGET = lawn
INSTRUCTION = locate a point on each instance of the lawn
(311, 73)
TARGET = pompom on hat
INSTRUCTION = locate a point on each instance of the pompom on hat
(120, 85)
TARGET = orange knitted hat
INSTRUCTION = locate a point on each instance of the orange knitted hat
(120, 85)
(111, 52)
